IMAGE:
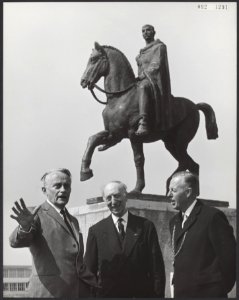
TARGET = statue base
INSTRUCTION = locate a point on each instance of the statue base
(158, 198)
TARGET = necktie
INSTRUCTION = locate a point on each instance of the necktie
(184, 219)
(63, 213)
(121, 228)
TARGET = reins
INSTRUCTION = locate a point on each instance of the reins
(109, 93)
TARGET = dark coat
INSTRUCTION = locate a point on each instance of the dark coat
(137, 270)
(58, 269)
(153, 63)
(206, 264)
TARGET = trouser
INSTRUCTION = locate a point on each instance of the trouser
(144, 97)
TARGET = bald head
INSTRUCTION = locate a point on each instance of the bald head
(121, 186)
(149, 26)
(148, 33)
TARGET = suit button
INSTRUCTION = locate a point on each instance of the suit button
(74, 245)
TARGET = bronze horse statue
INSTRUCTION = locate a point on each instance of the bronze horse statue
(121, 115)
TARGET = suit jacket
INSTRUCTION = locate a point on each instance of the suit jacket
(134, 270)
(58, 269)
(206, 264)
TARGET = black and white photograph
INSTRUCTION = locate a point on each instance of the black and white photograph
(119, 149)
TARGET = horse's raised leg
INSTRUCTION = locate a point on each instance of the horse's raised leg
(185, 162)
(139, 164)
(93, 141)
(176, 142)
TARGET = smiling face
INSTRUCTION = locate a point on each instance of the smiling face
(57, 188)
(180, 193)
(115, 196)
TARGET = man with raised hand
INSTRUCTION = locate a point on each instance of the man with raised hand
(55, 242)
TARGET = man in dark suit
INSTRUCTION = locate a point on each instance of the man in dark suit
(54, 239)
(123, 251)
(203, 243)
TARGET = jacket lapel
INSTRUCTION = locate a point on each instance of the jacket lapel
(55, 215)
(190, 221)
(177, 226)
(110, 236)
(133, 232)
(73, 226)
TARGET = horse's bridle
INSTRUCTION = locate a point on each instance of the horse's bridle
(108, 93)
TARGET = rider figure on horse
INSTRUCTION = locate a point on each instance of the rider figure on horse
(154, 83)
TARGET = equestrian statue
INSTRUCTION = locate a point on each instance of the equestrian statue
(142, 109)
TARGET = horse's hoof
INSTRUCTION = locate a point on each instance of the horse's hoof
(135, 192)
(103, 147)
(86, 175)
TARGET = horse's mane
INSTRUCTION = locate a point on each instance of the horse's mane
(124, 57)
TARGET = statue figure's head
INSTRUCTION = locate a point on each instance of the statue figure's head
(148, 33)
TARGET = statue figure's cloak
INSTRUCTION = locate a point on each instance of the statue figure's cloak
(153, 63)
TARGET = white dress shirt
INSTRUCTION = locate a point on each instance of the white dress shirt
(124, 222)
(188, 212)
(56, 208)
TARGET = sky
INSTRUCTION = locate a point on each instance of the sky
(48, 117)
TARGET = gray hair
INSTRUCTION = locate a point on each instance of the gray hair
(190, 178)
(62, 170)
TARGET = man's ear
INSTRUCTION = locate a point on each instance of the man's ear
(189, 192)
(43, 189)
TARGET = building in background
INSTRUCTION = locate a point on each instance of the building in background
(16, 280)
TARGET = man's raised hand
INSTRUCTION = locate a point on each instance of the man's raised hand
(22, 215)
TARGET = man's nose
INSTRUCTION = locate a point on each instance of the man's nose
(62, 189)
(113, 199)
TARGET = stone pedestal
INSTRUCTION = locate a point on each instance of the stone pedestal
(153, 207)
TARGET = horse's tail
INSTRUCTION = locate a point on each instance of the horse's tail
(210, 117)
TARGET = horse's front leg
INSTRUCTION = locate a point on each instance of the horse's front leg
(139, 164)
(93, 141)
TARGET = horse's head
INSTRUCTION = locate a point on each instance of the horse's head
(97, 67)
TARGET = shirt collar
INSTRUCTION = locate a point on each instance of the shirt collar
(190, 208)
(124, 217)
(56, 208)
